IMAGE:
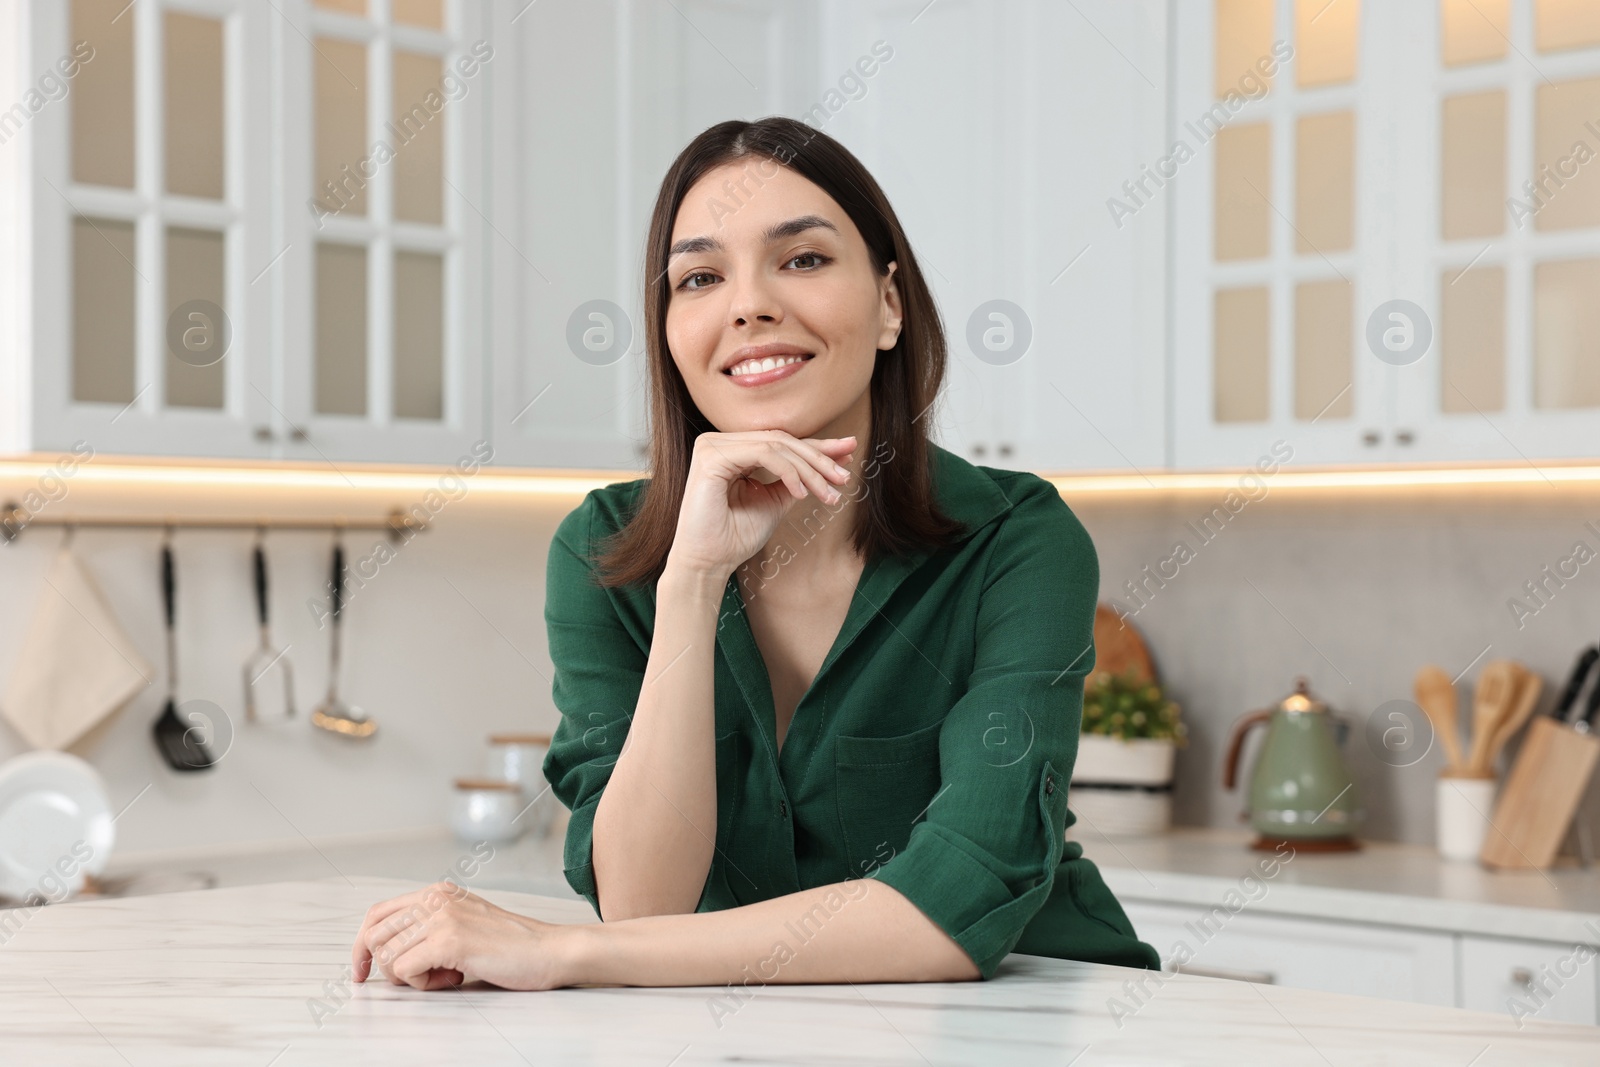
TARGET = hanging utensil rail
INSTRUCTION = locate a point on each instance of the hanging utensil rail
(13, 520)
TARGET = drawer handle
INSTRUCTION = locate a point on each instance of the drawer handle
(1258, 977)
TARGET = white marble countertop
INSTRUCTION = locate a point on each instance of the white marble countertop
(1400, 885)
(255, 975)
(1382, 882)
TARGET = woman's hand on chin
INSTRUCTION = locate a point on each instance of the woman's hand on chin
(741, 484)
(435, 938)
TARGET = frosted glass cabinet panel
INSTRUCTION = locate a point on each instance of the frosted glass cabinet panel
(1507, 272)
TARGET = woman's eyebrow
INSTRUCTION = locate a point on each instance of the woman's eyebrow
(776, 232)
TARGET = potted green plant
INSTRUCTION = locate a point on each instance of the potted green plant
(1122, 779)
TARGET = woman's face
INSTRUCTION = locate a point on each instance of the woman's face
(761, 256)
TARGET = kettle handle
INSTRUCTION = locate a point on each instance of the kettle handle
(1230, 762)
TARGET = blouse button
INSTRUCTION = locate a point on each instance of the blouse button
(783, 809)
(1049, 784)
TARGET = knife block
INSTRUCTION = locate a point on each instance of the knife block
(1541, 795)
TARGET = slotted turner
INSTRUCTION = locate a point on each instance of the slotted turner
(266, 659)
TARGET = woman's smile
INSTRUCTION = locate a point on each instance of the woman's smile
(761, 370)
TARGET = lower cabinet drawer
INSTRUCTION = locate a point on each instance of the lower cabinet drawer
(1329, 956)
(1538, 981)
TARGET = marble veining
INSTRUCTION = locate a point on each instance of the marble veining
(255, 975)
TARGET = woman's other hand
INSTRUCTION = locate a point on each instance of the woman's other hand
(433, 938)
(740, 485)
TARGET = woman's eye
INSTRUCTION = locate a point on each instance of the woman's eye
(684, 284)
(818, 256)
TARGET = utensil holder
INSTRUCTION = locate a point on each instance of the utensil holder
(1464, 804)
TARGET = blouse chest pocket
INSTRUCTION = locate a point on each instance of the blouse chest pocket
(730, 778)
(883, 784)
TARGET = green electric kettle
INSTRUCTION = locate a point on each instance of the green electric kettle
(1301, 793)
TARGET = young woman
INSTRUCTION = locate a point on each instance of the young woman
(820, 679)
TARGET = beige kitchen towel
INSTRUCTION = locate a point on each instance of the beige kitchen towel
(76, 665)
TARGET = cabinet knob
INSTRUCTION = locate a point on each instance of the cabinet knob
(1404, 437)
(1521, 976)
(296, 434)
(1004, 450)
(264, 433)
(1371, 437)
(979, 450)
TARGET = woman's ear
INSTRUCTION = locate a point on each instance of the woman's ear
(891, 311)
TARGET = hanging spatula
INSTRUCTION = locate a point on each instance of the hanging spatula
(182, 746)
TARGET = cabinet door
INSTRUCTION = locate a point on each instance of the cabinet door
(571, 384)
(380, 155)
(1530, 980)
(150, 226)
(1052, 313)
(1281, 248)
(1503, 250)
(1090, 233)
(1369, 961)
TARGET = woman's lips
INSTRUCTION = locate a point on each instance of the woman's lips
(773, 375)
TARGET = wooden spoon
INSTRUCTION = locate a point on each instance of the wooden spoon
(1529, 686)
(1492, 705)
(1436, 695)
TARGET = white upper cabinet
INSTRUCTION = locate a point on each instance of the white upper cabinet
(256, 230)
(1159, 235)
(379, 145)
(1001, 169)
(1505, 247)
(998, 170)
(148, 192)
(1355, 272)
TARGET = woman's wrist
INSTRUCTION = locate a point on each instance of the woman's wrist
(580, 953)
(693, 578)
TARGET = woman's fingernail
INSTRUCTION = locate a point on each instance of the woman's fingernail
(840, 471)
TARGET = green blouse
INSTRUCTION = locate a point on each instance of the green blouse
(932, 751)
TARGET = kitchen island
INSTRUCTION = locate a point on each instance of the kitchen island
(258, 975)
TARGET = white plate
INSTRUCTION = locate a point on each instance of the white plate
(55, 825)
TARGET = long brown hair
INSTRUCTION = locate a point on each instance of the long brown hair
(901, 513)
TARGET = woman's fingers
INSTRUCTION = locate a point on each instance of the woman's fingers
(388, 918)
(424, 966)
(361, 951)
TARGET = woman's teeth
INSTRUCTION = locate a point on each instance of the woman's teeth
(756, 366)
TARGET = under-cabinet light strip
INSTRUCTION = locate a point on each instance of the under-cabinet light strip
(546, 482)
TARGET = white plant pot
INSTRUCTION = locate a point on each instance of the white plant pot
(1121, 788)
(1113, 761)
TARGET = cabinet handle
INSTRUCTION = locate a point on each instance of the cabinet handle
(1258, 977)
(1371, 437)
(1005, 450)
(1521, 976)
(296, 434)
(264, 433)
(1404, 437)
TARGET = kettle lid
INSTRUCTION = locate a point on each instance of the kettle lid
(1301, 699)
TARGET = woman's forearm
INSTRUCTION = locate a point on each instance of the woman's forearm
(859, 930)
(656, 824)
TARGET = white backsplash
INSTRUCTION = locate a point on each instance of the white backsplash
(445, 644)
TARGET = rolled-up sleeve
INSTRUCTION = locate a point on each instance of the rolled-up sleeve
(982, 860)
(599, 672)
